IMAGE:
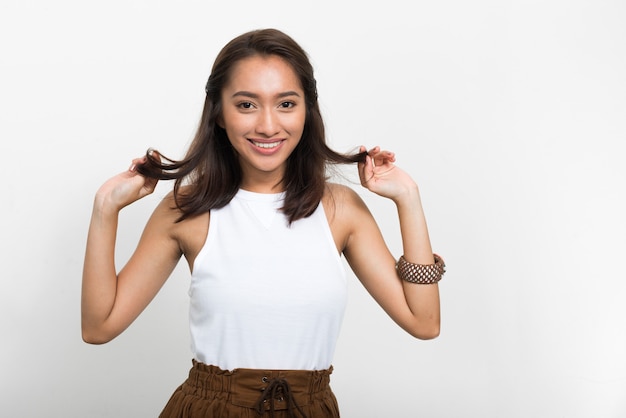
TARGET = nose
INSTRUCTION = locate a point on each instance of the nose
(267, 123)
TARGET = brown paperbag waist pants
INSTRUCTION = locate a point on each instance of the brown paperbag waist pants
(210, 392)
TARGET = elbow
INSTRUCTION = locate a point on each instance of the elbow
(90, 338)
(95, 336)
(425, 331)
(94, 341)
(429, 334)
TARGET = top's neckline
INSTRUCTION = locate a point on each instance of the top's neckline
(263, 197)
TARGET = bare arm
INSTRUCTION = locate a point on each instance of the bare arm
(111, 301)
(414, 307)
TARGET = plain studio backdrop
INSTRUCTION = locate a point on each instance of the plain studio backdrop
(511, 115)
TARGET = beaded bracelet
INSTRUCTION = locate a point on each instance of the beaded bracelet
(421, 273)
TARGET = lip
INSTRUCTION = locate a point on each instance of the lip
(263, 146)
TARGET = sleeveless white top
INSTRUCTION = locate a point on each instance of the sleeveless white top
(264, 294)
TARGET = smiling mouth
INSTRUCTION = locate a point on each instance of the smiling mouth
(266, 145)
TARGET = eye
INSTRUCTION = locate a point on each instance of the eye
(245, 105)
(286, 105)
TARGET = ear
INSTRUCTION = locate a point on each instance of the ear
(220, 122)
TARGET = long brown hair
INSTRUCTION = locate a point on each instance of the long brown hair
(211, 167)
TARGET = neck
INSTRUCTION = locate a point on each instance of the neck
(271, 184)
(262, 181)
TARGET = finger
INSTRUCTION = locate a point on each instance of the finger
(155, 157)
(378, 158)
(361, 164)
(371, 156)
(366, 170)
(361, 149)
(135, 162)
(377, 152)
(374, 151)
(383, 157)
(389, 156)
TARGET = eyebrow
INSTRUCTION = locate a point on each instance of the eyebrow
(256, 96)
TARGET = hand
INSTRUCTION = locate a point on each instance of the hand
(380, 175)
(126, 187)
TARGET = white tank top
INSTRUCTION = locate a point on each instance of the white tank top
(266, 295)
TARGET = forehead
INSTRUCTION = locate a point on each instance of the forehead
(263, 73)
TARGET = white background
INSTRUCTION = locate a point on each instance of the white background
(511, 115)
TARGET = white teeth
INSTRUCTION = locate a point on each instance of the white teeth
(266, 145)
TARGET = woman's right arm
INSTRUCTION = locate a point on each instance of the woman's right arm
(111, 301)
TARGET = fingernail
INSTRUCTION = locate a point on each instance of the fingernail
(132, 167)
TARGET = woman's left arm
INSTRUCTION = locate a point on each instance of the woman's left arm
(415, 307)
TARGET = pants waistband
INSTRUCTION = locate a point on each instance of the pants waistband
(261, 389)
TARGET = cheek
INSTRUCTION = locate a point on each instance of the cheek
(297, 124)
(234, 123)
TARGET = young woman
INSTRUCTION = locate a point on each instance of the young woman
(263, 232)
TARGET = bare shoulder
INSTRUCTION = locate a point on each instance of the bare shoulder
(345, 211)
(342, 201)
(189, 234)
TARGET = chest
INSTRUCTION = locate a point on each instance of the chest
(253, 259)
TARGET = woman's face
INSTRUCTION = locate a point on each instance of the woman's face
(263, 113)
